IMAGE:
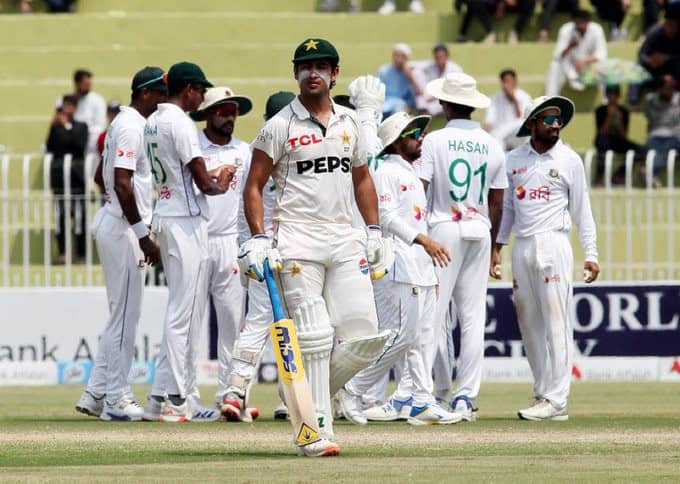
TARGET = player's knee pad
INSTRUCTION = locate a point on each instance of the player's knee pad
(314, 330)
(353, 355)
(240, 385)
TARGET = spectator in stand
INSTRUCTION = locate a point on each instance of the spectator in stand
(506, 112)
(524, 10)
(662, 110)
(59, 6)
(401, 88)
(91, 107)
(650, 13)
(612, 120)
(483, 10)
(579, 43)
(68, 137)
(547, 13)
(112, 110)
(614, 11)
(389, 7)
(428, 71)
(332, 6)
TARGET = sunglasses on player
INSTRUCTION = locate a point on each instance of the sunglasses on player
(551, 119)
(413, 133)
(226, 110)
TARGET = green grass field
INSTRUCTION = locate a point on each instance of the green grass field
(616, 432)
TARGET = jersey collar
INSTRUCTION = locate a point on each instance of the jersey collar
(206, 143)
(132, 111)
(551, 153)
(462, 124)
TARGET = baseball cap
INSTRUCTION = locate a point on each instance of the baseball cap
(187, 72)
(276, 103)
(314, 49)
(150, 78)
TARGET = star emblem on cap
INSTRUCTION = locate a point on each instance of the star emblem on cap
(311, 44)
(345, 138)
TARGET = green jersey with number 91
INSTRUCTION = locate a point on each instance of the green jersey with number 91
(461, 162)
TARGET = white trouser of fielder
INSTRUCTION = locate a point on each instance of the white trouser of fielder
(408, 311)
(184, 252)
(326, 261)
(123, 264)
(444, 355)
(465, 280)
(542, 268)
(253, 336)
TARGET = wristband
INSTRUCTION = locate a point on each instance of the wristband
(140, 229)
(374, 227)
(260, 236)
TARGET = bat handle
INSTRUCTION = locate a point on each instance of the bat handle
(277, 307)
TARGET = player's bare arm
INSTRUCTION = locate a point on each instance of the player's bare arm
(440, 255)
(205, 182)
(261, 168)
(99, 176)
(495, 216)
(123, 185)
(366, 197)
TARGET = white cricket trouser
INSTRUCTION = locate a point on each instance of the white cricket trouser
(328, 261)
(184, 252)
(465, 280)
(444, 355)
(253, 336)
(120, 256)
(542, 268)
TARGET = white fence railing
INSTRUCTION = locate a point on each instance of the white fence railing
(637, 223)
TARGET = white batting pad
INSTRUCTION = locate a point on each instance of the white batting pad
(353, 355)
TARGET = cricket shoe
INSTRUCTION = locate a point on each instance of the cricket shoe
(544, 410)
(234, 410)
(281, 412)
(202, 414)
(462, 405)
(89, 405)
(320, 448)
(432, 414)
(123, 410)
(153, 409)
(175, 413)
(392, 410)
(350, 408)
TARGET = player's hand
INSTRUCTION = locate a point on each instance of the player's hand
(379, 252)
(439, 254)
(367, 93)
(590, 271)
(224, 175)
(495, 267)
(253, 253)
(152, 252)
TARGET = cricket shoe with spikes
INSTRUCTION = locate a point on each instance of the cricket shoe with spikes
(175, 413)
(392, 410)
(122, 410)
(320, 448)
(202, 414)
(462, 405)
(432, 414)
(350, 407)
(153, 409)
(233, 409)
(544, 410)
(88, 404)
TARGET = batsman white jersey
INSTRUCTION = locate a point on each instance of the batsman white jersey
(224, 285)
(122, 259)
(405, 297)
(462, 162)
(324, 258)
(179, 220)
(544, 189)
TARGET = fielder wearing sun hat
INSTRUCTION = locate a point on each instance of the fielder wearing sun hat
(540, 104)
(396, 125)
(216, 96)
(458, 88)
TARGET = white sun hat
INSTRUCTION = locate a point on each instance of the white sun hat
(390, 129)
(540, 104)
(216, 96)
(458, 88)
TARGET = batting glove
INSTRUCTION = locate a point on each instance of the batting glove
(367, 94)
(252, 254)
(379, 252)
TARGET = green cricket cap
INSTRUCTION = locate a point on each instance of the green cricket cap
(150, 77)
(187, 72)
(314, 49)
(276, 103)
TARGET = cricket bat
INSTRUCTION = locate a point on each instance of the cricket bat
(296, 390)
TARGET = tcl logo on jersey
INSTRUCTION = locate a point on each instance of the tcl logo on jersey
(540, 193)
(304, 140)
(324, 164)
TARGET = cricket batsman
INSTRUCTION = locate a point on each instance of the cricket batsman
(313, 150)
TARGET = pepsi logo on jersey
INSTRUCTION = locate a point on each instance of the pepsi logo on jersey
(324, 164)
